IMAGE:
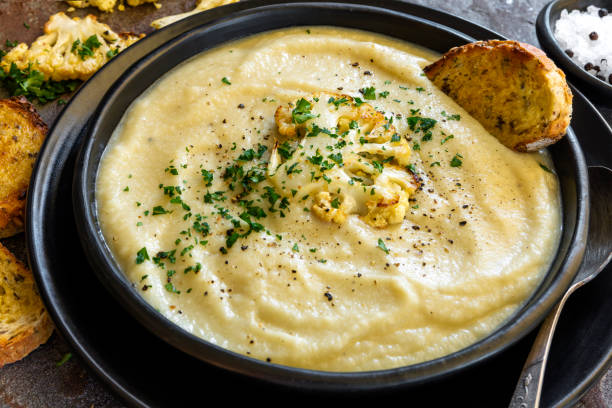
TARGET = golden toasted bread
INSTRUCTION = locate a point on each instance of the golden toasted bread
(22, 132)
(513, 89)
(24, 322)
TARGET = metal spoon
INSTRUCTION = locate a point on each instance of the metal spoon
(597, 255)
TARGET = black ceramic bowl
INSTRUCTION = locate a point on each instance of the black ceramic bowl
(545, 28)
(568, 158)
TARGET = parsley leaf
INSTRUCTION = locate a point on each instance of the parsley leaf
(208, 177)
(31, 84)
(301, 112)
(381, 245)
(369, 93)
(142, 256)
(456, 160)
(86, 49)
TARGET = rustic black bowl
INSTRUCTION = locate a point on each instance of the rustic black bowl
(545, 28)
(567, 156)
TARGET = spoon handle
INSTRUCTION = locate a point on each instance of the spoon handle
(529, 387)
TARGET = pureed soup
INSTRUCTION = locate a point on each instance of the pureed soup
(371, 224)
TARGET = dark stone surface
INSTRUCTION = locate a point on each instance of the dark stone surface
(37, 381)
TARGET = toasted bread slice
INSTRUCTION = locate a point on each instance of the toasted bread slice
(24, 322)
(22, 132)
(513, 89)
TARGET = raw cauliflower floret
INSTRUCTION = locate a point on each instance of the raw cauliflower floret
(70, 48)
(103, 5)
(346, 155)
(202, 5)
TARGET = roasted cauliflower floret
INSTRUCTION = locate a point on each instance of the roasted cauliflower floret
(202, 5)
(332, 209)
(103, 5)
(346, 155)
(136, 3)
(71, 48)
(108, 6)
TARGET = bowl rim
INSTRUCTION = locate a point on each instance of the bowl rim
(500, 339)
(545, 32)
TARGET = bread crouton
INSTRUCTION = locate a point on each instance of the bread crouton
(513, 89)
(24, 322)
(22, 132)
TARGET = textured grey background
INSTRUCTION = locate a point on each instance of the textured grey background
(37, 381)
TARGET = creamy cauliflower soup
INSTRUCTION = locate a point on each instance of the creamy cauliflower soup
(309, 198)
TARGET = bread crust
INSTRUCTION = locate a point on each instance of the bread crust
(33, 324)
(514, 56)
(22, 132)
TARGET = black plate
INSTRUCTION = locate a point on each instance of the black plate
(545, 27)
(566, 156)
(148, 372)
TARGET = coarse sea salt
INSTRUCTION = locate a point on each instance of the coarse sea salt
(586, 36)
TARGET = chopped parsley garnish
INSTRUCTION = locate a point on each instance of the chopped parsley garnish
(85, 49)
(427, 136)
(335, 203)
(301, 112)
(456, 160)
(545, 168)
(31, 84)
(381, 245)
(383, 94)
(336, 157)
(316, 159)
(112, 53)
(285, 150)
(172, 170)
(337, 102)
(378, 166)
(226, 81)
(159, 210)
(170, 288)
(446, 139)
(216, 196)
(419, 123)
(142, 256)
(451, 117)
(64, 360)
(369, 93)
(293, 169)
(271, 195)
(231, 239)
(395, 138)
(314, 131)
(295, 248)
(208, 177)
